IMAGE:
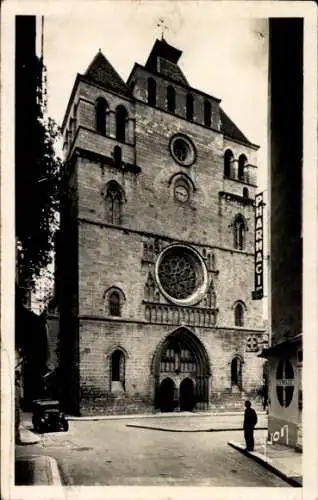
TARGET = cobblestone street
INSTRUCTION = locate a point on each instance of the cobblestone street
(109, 452)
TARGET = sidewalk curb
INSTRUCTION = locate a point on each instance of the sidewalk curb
(165, 429)
(158, 415)
(55, 473)
(27, 437)
(293, 481)
(44, 468)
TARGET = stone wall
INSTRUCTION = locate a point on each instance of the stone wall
(102, 256)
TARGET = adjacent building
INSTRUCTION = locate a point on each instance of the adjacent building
(30, 332)
(285, 353)
(155, 253)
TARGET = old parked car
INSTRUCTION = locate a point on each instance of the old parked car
(48, 417)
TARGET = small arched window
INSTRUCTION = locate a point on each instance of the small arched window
(117, 155)
(236, 372)
(114, 304)
(207, 113)
(239, 228)
(121, 123)
(100, 110)
(152, 92)
(171, 99)
(113, 203)
(189, 106)
(117, 362)
(239, 315)
(241, 167)
(245, 193)
(228, 159)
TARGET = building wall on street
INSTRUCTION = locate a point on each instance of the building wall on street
(286, 178)
(286, 145)
(139, 341)
(53, 329)
(99, 244)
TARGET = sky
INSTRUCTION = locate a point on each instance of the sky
(224, 56)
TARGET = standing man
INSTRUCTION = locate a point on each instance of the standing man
(250, 420)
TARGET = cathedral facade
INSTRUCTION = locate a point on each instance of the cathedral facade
(155, 254)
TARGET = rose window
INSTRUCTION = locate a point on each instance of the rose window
(178, 276)
(181, 275)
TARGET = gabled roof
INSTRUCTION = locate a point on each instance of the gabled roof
(229, 129)
(163, 49)
(100, 71)
(163, 59)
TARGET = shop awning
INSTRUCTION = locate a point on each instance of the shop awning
(280, 347)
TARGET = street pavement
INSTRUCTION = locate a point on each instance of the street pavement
(197, 422)
(111, 452)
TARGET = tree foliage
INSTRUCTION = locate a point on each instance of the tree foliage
(37, 175)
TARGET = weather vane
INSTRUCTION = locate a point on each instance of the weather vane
(162, 26)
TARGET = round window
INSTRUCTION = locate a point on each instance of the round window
(182, 150)
(181, 275)
(285, 383)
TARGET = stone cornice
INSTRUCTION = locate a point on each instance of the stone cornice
(103, 159)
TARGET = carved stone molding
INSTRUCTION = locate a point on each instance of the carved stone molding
(178, 315)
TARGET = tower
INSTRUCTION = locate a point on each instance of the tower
(156, 263)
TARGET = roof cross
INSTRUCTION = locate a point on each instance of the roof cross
(162, 26)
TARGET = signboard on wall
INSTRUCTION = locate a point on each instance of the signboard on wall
(258, 292)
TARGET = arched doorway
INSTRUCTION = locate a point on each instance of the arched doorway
(186, 395)
(166, 395)
(182, 356)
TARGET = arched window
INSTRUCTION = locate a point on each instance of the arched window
(239, 315)
(117, 362)
(171, 99)
(152, 92)
(207, 113)
(236, 372)
(189, 106)
(241, 164)
(245, 193)
(114, 304)
(117, 155)
(114, 299)
(113, 203)
(100, 109)
(228, 158)
(239, 228)
(121, 123)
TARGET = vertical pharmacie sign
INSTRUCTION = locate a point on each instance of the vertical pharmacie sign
(258, 292)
